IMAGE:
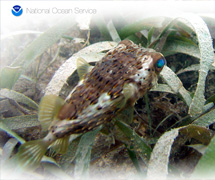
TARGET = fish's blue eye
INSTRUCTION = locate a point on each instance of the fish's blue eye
(160, 63)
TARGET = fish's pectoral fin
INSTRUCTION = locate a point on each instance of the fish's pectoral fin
(126, 115)
(49, 108)
(120, 103)
(83, 67)
(129, 90)
(30, 154)
(60, 145)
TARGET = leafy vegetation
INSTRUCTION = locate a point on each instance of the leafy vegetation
(173, 119)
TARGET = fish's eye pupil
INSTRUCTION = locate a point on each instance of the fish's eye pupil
(160, 63)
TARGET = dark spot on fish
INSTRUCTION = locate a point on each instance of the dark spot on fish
(107, 81)
(96, 74)
(115, 60)
(99, 108)
(74, 117)
(111, 95)
(94, 101)
(140, 67)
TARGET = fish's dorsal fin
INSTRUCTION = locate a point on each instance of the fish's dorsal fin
(60, 145)
(83, 67)
(49, 108)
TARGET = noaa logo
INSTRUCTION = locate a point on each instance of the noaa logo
(17, 10)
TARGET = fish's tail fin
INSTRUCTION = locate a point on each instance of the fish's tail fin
(31, 153)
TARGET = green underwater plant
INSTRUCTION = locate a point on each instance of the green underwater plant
(187, 35)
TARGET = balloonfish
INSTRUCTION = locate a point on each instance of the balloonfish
(116, 82)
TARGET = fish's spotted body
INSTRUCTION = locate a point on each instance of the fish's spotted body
(116, 82)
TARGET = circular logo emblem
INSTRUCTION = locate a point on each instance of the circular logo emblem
(17, 10)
